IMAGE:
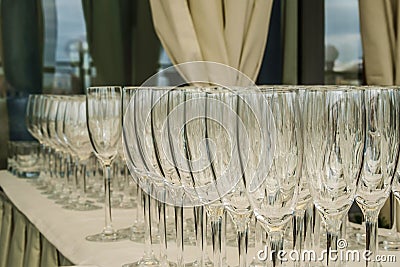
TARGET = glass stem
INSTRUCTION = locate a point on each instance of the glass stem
(223, 235)
(298, 232)
(74, 191)
(125, 197)
(139, 201)
(53, 163)
(393, 209)
(371, 227)
(316, 229)
(163, 234)
(276, 244)
(308, 223)
(242, 238)
(201, 233)
(216, 225)
(148, 250)
(71, 173)
(82, 190)
(42, 157)
(179, 235)
(108, 229)
(333, 226)
(331, 239)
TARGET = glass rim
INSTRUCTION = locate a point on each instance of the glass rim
(215, 89)
(104, 87)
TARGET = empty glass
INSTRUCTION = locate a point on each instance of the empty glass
(334, 131)
(273, 187)
(104, 122)
(381, 150)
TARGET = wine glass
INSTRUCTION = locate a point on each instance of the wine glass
(381, 153)
(32, 121)
(140, 166)
(273, 188)
(54, 110)
(77, 138)
(334, 131)
(46, 114)
(104, 123)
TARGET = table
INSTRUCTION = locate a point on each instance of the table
(63, 229)
(41, 233)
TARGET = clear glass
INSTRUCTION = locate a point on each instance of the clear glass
(381, 153)
(49, 159)
(273, 187)
(394, 244)
(131, 135)
(77, 138)
(32, 122)
(104, 122)
(334, 131)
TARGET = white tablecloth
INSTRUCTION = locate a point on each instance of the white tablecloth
(66, 229)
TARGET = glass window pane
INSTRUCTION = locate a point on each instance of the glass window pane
(343, 50)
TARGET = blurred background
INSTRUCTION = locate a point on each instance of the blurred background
(65, 46)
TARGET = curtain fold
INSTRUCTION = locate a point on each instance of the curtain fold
(1, 214)
(21, 244)
(32, 255)
(21, 24)
(290, 42)
(17, 244)
(231, 32)
(379, 23)
(6, 229)
(49, 255)
(122, 41)
(4, 132)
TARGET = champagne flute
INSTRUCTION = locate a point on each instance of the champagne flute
(382, 130)
(273, 187)
(334, 130)
(104, 122)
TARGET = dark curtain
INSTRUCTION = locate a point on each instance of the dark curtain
(22, 36)
(122, 41)
(21, 23)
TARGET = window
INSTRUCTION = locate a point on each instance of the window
(65, 41)
(343, 50)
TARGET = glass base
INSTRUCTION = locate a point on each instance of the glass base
(391, 243)
(133, 234)
(62, 201)
(49, 191)
(149, 262)
(208, 263)
(126, 205)
(81, 206)
(102, 237)
(55, 196)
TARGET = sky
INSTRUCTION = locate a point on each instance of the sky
(342, 29)
(71, 25)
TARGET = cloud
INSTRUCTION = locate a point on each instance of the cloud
(348, 45)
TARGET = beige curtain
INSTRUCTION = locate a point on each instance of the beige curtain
(21, 244)
(379, 22)
(231, 32)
